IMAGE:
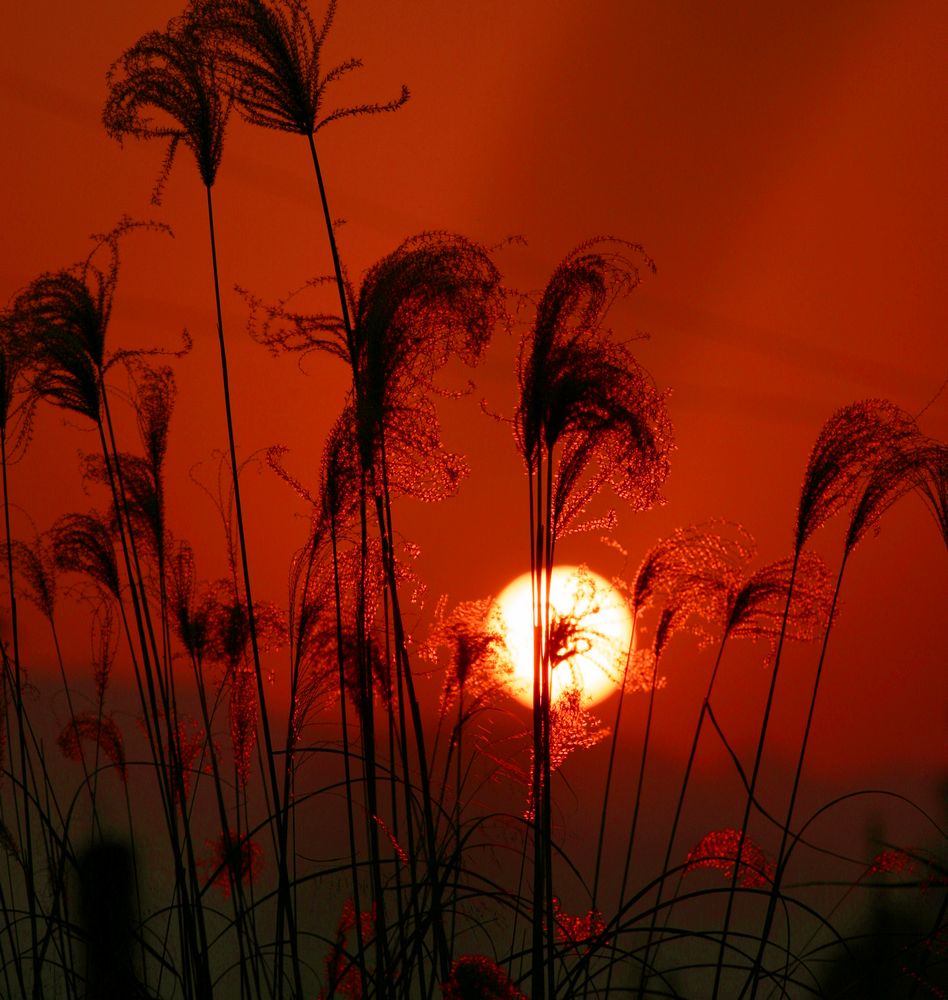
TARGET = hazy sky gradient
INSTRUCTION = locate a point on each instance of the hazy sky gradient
(783, 163)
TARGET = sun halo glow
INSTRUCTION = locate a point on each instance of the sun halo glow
(591, 630)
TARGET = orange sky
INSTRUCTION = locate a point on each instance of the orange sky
(783, 163)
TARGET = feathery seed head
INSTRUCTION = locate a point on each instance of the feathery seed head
(436, 296)
(233, 858)
(477, 977)
(154, 402)
(718, 849)
(190, 614)
(17, 396)
(910, 462)
(272, 51)
(100, 729)
(478, 662)
(83, 543)
(756, 608)
(852, 442)
(583, 393)
(174, 73)
(143, 497)
(36, 565)
(61, 320)
(932, 484)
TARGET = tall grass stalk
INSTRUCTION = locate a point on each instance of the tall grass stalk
(901, 457)
(587, 417)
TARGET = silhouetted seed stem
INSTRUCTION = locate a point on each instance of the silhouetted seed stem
(611, 765)
(331, 235)
(21, 737)
(758, 757)
(679, 808)
(754, 979)
(284, 902)
(384, 514)
(633, 826)
(171, 781)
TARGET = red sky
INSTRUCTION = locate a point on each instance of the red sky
(783, 163)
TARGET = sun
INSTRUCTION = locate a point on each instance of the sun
(591, 630)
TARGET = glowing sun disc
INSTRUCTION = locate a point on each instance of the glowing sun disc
(597, 634)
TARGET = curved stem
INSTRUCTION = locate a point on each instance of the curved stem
(611, 765)
(705, 709)
(638, 801)
(754, 776)
(785, 835)
(21, 732)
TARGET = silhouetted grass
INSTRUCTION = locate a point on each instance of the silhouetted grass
(388, 854)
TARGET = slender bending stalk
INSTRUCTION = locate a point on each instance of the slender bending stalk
(546, 698)
(611, 766)
(369, 761)
(638, 802)
(705, 707)
(284, 900)
(384, 515)
(583, 393)
(539, 862)
(21, 732)
(195, 934)
(753, 780)
(785, 832)
(888, 458)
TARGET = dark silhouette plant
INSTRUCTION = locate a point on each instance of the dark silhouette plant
(177, 75)
(64, 317)
(901, 460)
(848, 447)
(584, 399)
(423, 857)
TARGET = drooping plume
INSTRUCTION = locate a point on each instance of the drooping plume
(233, 859)
(852, 442)
(168, 86)
(99, 729)
(718, 849)
(477, 977)
(272, 50)
(912, 462)
(586, 395)
(83, 543)
(689, 577)
(478, 664)
(64, 316)
(36, 565)
(755, 609)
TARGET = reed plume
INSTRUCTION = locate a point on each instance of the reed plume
(191, 610)
(850, 445)
(168, 86)
(177, 73)
(478, 663)
(272, 50)
(36, 566)
(737, 856)
(233, 860)
(99, 729)
(902, 460)
(83, 543)
(586, 398)
(477, 977)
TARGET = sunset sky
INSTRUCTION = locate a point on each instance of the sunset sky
(784, 164)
